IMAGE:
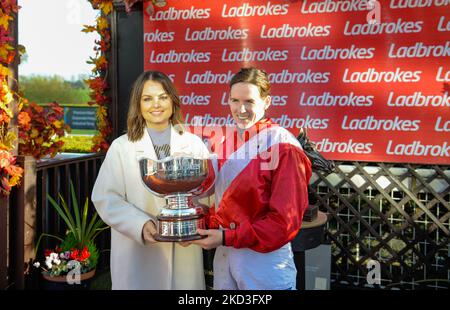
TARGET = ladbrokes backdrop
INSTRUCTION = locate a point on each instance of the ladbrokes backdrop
(369, 79)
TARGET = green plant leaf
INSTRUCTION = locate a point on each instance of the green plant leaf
(94, 229)
(62, 214)
(76, 211)
(84, 220)
(99, 230)
(91, 224)
(67, 210)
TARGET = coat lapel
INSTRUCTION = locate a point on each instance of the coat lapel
(178, 143)
(144, 147)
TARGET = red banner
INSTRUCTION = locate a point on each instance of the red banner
(369, 79)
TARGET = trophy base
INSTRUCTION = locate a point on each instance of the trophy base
(179, 229)
(160, 238)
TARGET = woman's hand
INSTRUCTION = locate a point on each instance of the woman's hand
(148, 231)
(213, 239)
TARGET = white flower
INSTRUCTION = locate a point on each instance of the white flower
(48, 263)
(57, 261)
(37, 264)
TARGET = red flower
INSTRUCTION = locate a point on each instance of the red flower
(84, 254)
(74, 254)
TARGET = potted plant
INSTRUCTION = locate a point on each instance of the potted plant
(75, 258)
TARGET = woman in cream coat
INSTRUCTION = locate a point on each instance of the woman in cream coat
(122, 201)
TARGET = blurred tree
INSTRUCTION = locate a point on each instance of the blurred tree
(44, 89)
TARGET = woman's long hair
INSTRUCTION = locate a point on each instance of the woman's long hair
(135, 121)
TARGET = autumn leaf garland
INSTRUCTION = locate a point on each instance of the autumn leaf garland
(10, 174)
(98, 80)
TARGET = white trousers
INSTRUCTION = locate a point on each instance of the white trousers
(245, 269)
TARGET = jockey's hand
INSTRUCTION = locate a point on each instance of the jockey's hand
(213, 238)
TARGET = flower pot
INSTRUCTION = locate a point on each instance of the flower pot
(61, 283)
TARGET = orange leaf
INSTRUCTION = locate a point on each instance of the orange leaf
(102, 23)
(88, 28)
(4, 20)
(106, 7)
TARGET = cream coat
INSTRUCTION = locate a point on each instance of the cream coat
(125, 204)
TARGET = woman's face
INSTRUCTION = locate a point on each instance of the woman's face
(246, 104)
(156, 105)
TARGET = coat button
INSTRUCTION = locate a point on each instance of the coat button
(232, 225)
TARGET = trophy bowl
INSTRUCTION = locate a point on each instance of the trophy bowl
(178, 180)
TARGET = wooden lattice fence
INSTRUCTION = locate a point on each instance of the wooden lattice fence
(394, 214)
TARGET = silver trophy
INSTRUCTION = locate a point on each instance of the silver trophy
(178, 180)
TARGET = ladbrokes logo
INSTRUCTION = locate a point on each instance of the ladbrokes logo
(308, 77)
(374, 76)
(288, 31)
(178, 57)
(175, 14)
(247, 10)
(403, 4)
(350, 146)
(307, 122)
(328, 100)
(331, 6)
(247, 54)
(420, 50)
(208, 34)
(329, 53)
(208, 120)
(383, 28)
(208, 77)
(418, 100)
(417, 148)
(372, 123)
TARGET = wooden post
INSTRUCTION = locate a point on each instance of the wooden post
(113, 74)
(23, 222)
(28, 190)
(3, 242)
(127, 58)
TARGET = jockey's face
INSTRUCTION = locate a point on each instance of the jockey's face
(246, 105)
